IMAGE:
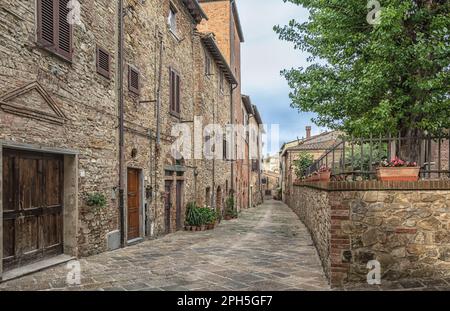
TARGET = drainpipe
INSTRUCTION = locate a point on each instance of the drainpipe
(232, 88)
(158, 123)
(158, 92)
(121, 128)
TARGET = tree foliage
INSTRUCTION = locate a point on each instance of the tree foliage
(302, 163)
(364, 78)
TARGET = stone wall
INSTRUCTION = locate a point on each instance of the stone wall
(86, 99)
(312, 207)
(406, 230)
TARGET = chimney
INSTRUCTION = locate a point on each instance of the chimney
(308, 132)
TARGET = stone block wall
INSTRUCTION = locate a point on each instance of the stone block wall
(312, 207)
(407, 229)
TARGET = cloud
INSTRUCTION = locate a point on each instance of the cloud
(264, 55)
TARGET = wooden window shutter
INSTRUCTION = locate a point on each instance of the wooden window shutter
(133, 80)
(54, 33)
(45, 25)
(64, 47)
(178, 92)
(172, 90)
(103, 63)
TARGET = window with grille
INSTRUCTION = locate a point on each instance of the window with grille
(54, 33)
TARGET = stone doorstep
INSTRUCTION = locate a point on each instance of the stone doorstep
(35, 267)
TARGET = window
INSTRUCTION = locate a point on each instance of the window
(225, 149)
(172, 20)
(175, 93)
(207, 65)
(221, 82)
(103, 62)
(208, 198)
(208, 146)
(133, 80)
(54, 33)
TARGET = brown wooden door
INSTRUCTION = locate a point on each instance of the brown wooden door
(134, 204)
(168, 205)
(32, 207)
(179, 205)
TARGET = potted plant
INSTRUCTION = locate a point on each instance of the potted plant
(398, 170)
(193, 217)
(324, 174)
(230, 212)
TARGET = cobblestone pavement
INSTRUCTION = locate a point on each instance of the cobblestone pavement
(267, 248)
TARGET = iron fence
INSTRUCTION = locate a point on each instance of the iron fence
(358, 158)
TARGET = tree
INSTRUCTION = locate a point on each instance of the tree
(302, 163)
(373, 78)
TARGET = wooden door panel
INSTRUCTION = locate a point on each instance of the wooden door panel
(53, 193)
(168, 205)
(9, 202)
(8, 238)
(30, 181)
(133, 204)
(179, 204)
(52, 228)
(29, 234)
(33, 213)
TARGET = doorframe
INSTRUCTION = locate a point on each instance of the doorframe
(70, 200)
(141, 208)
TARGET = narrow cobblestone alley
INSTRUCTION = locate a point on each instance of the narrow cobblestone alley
(267, 248)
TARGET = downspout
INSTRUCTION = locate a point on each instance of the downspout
(158, 123)
(158, 92)
(121, 128)
(232, 88)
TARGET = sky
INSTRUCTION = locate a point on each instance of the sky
(264, 55)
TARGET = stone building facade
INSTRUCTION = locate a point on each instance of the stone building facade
(224, 22)
(59, 123)
(316, 146)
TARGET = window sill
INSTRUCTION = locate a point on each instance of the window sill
(175, 115)
(53, 53)
(175, 35)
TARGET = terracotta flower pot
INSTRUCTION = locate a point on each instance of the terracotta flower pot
(188, 228)
(398, 173)
(325, 176)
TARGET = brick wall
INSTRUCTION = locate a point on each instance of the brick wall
(406, 230)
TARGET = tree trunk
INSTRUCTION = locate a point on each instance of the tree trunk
(409, 149)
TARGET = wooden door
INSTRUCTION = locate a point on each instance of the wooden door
(134, 204)
(32, 207)
(168, 204)
(179, 205)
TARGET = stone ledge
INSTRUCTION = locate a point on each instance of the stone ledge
(424, 185)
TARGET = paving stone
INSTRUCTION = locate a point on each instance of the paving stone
(267, 248)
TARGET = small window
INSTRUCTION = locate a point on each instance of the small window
(175, 93)
(172, 20)
(133, 80)
(225, 149)
(207, 65)
(221, 82)
(103, 62)
(54, 33)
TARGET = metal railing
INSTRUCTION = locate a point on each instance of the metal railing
(358, 158)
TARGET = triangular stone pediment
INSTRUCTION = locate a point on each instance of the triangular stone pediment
(32, 101)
